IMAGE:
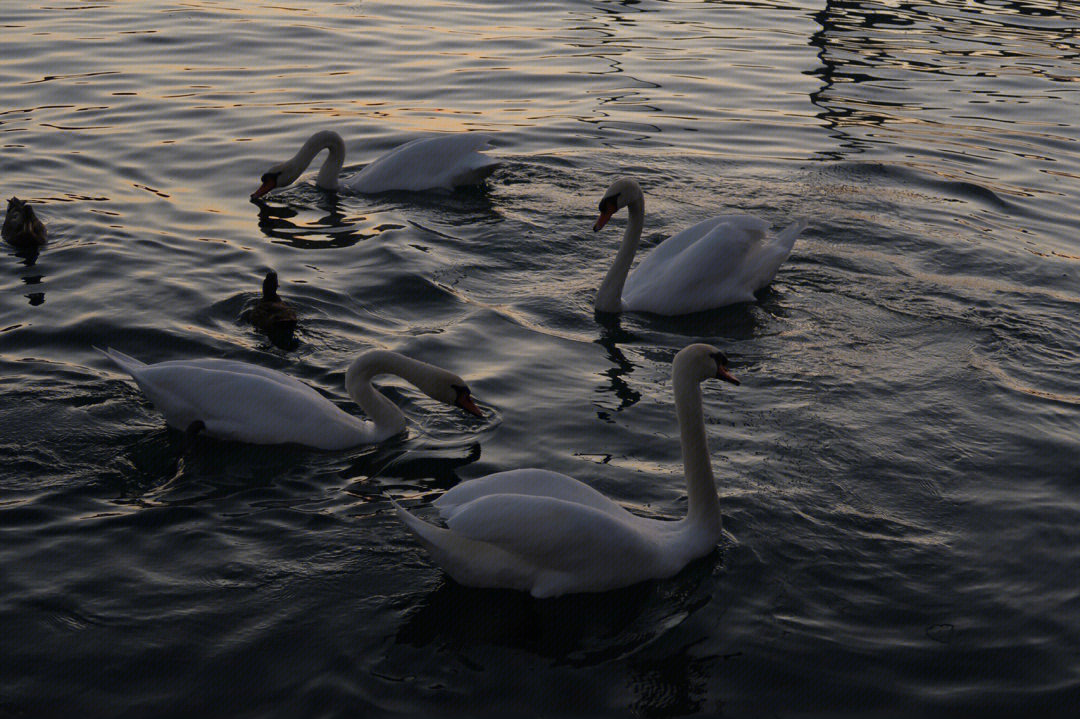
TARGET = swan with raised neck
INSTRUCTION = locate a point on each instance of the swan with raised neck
(717, 262)
(548, 534)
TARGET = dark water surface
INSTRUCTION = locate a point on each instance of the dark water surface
(898, 471)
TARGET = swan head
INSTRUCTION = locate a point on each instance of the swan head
(282, 174)
(439, 384)
(447, 387)
(621, 193)
(703, 362)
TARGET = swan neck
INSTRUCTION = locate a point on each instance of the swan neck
(704, 505)
(609, 296)
(331, 167)
(388, 419)
(384, 414)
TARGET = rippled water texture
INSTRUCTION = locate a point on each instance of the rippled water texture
(898, 470)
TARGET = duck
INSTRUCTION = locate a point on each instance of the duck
(244, 402)
(433, 163)
(22, 228)
(717, 262)
(541, 532)
(272, 314)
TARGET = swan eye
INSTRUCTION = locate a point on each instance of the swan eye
(721, 358)
(609, 204)
(270, 177)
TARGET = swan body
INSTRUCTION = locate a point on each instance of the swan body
(272, 314)
(548, 534)
(434, 163)
(247, 403)
(717, 262)
(22, 228)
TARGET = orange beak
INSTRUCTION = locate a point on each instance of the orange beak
(722, 373)
(604, 217)
(466, 403)
(266, 187)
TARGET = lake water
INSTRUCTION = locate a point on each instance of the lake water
(898, 472)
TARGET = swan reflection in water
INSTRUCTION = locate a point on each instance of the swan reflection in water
(575, 629)
(611, 335)
(334, 229)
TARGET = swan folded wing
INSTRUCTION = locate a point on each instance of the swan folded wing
(764, 258)
(224, 365)
(428, 163)
(707, 273)
(532, 482)
(240, 405)
(555, 535)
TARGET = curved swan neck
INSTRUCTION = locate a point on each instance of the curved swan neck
(331, 168)
(386, 416)
(704, 505)
(609, 296)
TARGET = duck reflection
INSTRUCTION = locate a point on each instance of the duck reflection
(577, 629)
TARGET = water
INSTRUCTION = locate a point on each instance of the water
(898, 470)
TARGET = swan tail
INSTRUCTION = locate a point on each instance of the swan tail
(123, 361)
(470, 562)
(785, 239)
(482, 166)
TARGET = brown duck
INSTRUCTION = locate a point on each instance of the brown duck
(272, 315)
(22, 228)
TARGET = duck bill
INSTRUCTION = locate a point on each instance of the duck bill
(722, 373)
(266, 187)
(602, 220)
(467, 404)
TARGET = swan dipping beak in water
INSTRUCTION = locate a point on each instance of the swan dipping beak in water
(434, 163)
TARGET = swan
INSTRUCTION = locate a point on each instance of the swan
(22, 228)
(548, 534)
(442, 162)
(245, 402)
(272, 314)
(717, 262)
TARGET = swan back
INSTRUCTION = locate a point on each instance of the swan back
(441, 162)
(243, 402)
(717, 262)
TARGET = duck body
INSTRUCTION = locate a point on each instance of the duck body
(22, 228)
(272, 314)
(247, 403)
(717, 262)
(549, 534)
(434, 163)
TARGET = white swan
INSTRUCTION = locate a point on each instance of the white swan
(548, 534)
(248, 403)
(442, 162)
(717, 262)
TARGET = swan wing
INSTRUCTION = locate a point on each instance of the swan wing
(531, 482)
(566, 546)
(243, 405)
(224, 365)
(442, 162)
(706, 271)
(760, 266)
